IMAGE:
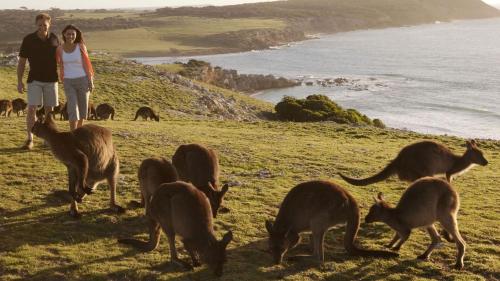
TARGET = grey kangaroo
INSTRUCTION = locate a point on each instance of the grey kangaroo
(316, 206)
(426, 158)
(147, 112)
(423, 203)
(152, 173)
(200, 166)
(89, 155)
(180, 209)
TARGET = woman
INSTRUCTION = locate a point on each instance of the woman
(77, 75)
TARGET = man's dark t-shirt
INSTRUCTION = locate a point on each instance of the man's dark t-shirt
(41, 56)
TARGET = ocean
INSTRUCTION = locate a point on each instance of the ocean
(441, 78)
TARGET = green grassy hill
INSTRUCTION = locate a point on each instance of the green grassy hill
(39, 241)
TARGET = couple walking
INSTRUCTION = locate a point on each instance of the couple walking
(44, 52)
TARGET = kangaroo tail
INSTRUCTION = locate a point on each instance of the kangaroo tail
(351, 231)
(388, 171)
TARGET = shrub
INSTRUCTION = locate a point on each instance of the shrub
(320, 108)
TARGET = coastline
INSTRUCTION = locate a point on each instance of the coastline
(307, 36)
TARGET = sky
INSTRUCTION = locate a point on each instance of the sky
(109, 4)
(113, 4)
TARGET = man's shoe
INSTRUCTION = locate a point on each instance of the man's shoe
(28, 145)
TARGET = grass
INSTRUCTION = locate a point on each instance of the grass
(174, 34)
(98, 15)
(39, 241)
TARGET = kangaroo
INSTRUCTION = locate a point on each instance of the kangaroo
(40, 113)
(88, 154)
(200, 166)
(104, 111)
(316, 206)
(5, 108)
(146, 112)
(181, 209)
(152, 173)
(426, 201)
(19, 106)
(426, 158)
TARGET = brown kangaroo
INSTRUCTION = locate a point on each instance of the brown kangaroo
(89, 155)
(426, 158)
(181, 209)
(152, 173)
(104, 111)
(19, 106)
(146, 112)
(426, 201)
(316, 206)
(199, 165)
(5, 108)
(40, 113)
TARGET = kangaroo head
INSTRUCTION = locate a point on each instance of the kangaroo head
(474, 154)
(278, 245)
(216, 197)
(377, 210)
(216, 255)
(42, 127)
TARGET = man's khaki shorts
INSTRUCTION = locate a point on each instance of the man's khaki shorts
(43, 93)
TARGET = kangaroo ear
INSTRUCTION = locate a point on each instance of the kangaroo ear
(209, 184)
(469, 144)
(269, 226)
(227, 238)
(380, 196)
(49, 119)
(224, 189)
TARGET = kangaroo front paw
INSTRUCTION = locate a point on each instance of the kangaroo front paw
(183, 264)
(117, 209)
(75, 214)
(423, 257)
(459, 266)
(88, 190)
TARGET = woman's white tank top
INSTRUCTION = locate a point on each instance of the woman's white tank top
(73, 65)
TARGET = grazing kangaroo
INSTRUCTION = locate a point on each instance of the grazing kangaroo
(104, 111)
(64, 112)
(426, 158)
(5, 108)
(40, 113)
(88, 154)
(146, 112)
(200, 166)
(181, 209)
(426, 201)
(152, 173)
(19, 106)
(316, 206)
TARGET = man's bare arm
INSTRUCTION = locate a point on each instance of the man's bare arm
(21, 65)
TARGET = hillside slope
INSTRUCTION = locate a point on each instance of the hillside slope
(127, 86)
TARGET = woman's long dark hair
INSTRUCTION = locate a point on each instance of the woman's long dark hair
(79, 36)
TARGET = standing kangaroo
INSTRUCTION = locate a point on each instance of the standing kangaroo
(147, 112)
(426, 201)
(5, 107)
(181, 209)
(426, 158)
(89, 155)
(152, 173)
(200, 166)
(316, 206)
(104, 111)
(19, 106)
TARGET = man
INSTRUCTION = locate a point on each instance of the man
(39, 48)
